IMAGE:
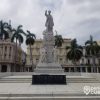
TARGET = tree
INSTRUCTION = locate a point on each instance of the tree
(3, 30)
(92, 48)
(74, 51)
(18, 36)
(10, 29)
(30, 40)
(58, 40)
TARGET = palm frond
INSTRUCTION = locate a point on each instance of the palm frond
(30, 41)
(30, 34)
(95, 42)
(87, 42)
(13, 37)
(5, 25)
(20, 37)
(6, 34)
(19, 27)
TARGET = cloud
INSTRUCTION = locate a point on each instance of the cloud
(76, 2)
(72, 18)
(50, 4)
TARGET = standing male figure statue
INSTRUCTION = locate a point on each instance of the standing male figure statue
(49, 22)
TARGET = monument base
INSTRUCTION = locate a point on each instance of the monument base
(48, 79)
(49, 73)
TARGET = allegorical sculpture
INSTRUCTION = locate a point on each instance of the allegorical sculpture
(42, 55)
(49, 22)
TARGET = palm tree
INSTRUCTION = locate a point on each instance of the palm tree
(10, 29)
(74, 51)
(17, 35)
(30, 40)
(58, 40)
(92, 48)
(3, 30)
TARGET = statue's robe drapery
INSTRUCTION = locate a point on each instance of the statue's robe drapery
(49, 22)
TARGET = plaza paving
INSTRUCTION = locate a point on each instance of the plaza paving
(27, 91)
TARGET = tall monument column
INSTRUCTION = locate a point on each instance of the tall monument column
(48, 39)
(48, 70)
(48, 44)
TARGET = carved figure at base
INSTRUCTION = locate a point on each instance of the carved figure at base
(42, 55)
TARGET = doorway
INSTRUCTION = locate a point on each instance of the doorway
(4, 68)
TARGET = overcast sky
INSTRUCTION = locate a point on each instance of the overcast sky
(72, 18)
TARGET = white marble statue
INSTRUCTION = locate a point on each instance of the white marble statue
(49, 22)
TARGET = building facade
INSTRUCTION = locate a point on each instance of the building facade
(11, 59)
(85, 64)
(61, 52)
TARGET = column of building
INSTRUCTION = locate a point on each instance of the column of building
(80, 69)
(0, 67)
(8, 68)
(75, 69)
(97, 70)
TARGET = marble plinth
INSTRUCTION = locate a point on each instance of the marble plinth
(48, 68)
(49, 79)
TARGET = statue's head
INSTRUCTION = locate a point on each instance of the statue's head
(49, 11)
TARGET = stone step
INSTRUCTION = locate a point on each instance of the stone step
(40, 70)
(68, 79)
(49, 67)
(16, 80)
(81, 80)
(31, 82)
(48, 95)
(66, 96)
(44, 94)
(50, 98)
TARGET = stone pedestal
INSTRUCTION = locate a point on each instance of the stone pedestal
(48, 71)
(49, 68)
